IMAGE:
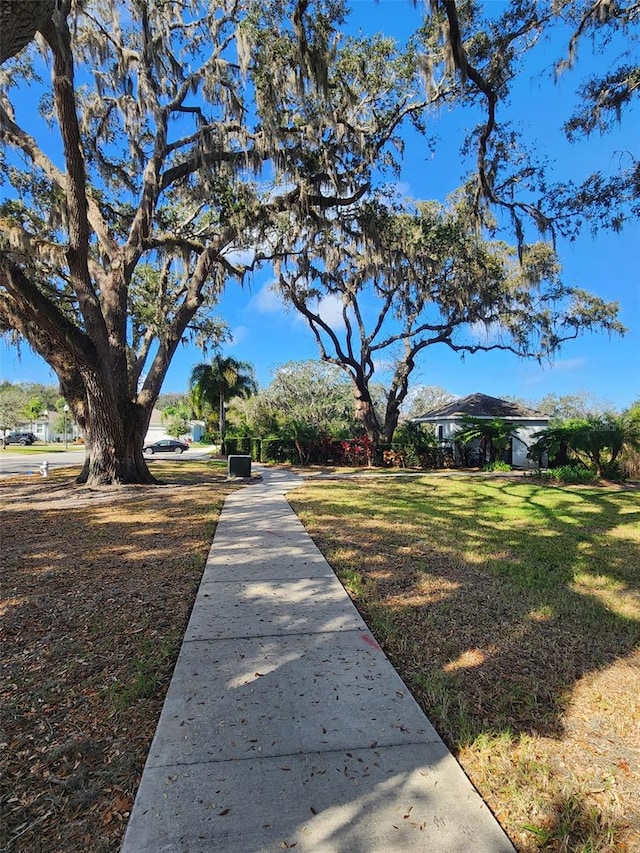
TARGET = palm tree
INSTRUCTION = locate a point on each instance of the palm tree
(301, 434)
(216, 383)
(493, 434)
(32, 410)
(599, 439)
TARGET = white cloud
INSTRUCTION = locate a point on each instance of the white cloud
(541, 373)
(384, 365)
(485, 333)
(330, 310)
(532, 379)
(402, 190)
(240, 257)
(237, 335)
(267, 300)
(566, 365)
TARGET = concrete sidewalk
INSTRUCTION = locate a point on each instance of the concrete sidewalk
(285, 726)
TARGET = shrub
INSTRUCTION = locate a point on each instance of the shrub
(357, 451)
(418, 456)
(394, 457)
(600, 441)
(414, 455)
(613, 471)
(279, 450)
(498, 465)
(570, 474)
(235, 445)
(630, 464)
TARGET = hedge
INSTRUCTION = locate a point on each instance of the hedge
(327, 451)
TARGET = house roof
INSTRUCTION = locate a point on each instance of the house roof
(482, 406)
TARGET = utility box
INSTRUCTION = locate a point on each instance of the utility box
(239, 466)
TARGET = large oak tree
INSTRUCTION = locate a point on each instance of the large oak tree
(172, 137)
(406, 281)
(190, 131)
(472, 55)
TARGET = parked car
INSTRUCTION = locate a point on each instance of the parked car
(166, 445)
(23, 438)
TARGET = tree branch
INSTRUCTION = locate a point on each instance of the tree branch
(28, 309)
(18, 138)
(58, 38)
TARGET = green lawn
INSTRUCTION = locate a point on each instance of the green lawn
(512, 611)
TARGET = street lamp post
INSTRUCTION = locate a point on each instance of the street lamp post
(45, 415)
(65, 409)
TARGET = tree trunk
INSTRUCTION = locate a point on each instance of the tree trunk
(114, 436)
(597, 461)
(300, 450)
(390, 424)
(562, 456)
(366, 416)
(488, 450)
(379, 435)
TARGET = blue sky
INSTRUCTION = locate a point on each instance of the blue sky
(267, 335)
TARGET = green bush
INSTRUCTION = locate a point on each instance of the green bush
(613, 471)
(237, 445)
(412, 455)
(569, 474)
(630, 464)
(278, 450)
(498, 465)
(419, 455)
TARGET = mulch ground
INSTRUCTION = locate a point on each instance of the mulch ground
(97, 587)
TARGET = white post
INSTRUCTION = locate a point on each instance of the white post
(65, 409)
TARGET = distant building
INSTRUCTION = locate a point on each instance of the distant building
(158, 429)
(447, 420)
(44, 430)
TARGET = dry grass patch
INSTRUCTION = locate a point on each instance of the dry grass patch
(510, 610)
(97, 588)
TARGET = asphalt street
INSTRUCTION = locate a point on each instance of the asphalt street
(12, 463)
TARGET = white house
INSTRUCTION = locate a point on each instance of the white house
(44, 430)
(448, 419)
(158, 429)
